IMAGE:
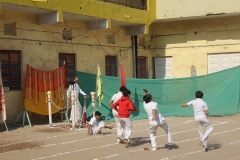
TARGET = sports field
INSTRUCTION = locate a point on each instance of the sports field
(41, 142)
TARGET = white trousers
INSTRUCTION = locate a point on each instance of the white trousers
(202, 120)
(98, 129)
(126, 124)
(117, 121)
(153, 130)
(78, 113)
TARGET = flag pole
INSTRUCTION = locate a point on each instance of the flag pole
(96, 78)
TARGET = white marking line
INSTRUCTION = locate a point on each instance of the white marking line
(185, 140)
(56, 144)
(62, 143)
(93, 147)
(210, 135)
(190, 130)
(68, 135)
(80, 150)
(234, 158)
(41, 139)
(189, 153)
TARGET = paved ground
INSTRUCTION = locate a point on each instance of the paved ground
(41, 142)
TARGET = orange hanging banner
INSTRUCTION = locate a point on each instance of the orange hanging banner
(38, 83)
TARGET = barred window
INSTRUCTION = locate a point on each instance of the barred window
(69, 60)
(11, 69)
(142, 67)
(111, 65)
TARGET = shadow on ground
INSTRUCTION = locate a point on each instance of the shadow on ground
(214, 146)
(137, 141)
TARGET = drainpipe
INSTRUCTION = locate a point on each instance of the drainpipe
(134, 56)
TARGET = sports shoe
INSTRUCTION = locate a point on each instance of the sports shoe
(206, 149)
(118, 140)
(171, 142)
(204, 142)
(154, 149)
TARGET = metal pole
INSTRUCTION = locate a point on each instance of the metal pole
(24, 118)
(49, 108)
(133, 57)
(136, 55)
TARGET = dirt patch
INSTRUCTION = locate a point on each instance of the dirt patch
(51, 130)
(19, 146)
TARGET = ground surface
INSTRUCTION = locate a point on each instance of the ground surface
(41, 142)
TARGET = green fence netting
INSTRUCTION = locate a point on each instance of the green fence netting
(221, 92)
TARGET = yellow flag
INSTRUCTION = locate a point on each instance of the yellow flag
(99, 86)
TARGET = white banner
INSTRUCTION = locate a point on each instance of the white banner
(2, 100)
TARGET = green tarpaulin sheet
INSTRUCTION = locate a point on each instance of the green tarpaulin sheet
(221, 92)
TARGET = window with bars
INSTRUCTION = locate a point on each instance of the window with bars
(11, 69)
(111, 65)
(69, 60)
(10, 29)
(67, 34)
(142, 67)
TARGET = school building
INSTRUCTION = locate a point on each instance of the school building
(151, 38)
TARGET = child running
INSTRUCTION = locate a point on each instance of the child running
(124, 111)
(113, 100)
(155, 120)
(200, 109)
(95, 126)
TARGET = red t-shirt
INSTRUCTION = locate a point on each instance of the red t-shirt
(125, 107)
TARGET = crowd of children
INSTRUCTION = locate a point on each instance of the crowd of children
(122, 106)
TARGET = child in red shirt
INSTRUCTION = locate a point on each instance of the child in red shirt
(124, 111)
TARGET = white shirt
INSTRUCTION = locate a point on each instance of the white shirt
(149, 107)
(116, 97)
(199, 106)
(93, 122)
(78, 90)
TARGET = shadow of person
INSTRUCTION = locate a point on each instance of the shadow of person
(137, 141)
(214, 146)
(136, 104)
(171, 146)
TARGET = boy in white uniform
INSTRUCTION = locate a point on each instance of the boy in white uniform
(155, 120)
(114, 99)
(201, 117)
(95, 126)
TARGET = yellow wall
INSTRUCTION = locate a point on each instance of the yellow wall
(95, 8)
(178, 39)
(173, 9)
(40, 46)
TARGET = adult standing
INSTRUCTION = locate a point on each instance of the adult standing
(79, 109)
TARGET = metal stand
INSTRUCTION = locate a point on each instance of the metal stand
(5, 125)
(24, 112)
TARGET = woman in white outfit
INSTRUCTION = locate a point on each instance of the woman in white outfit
(79, 110)
(155, 120)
